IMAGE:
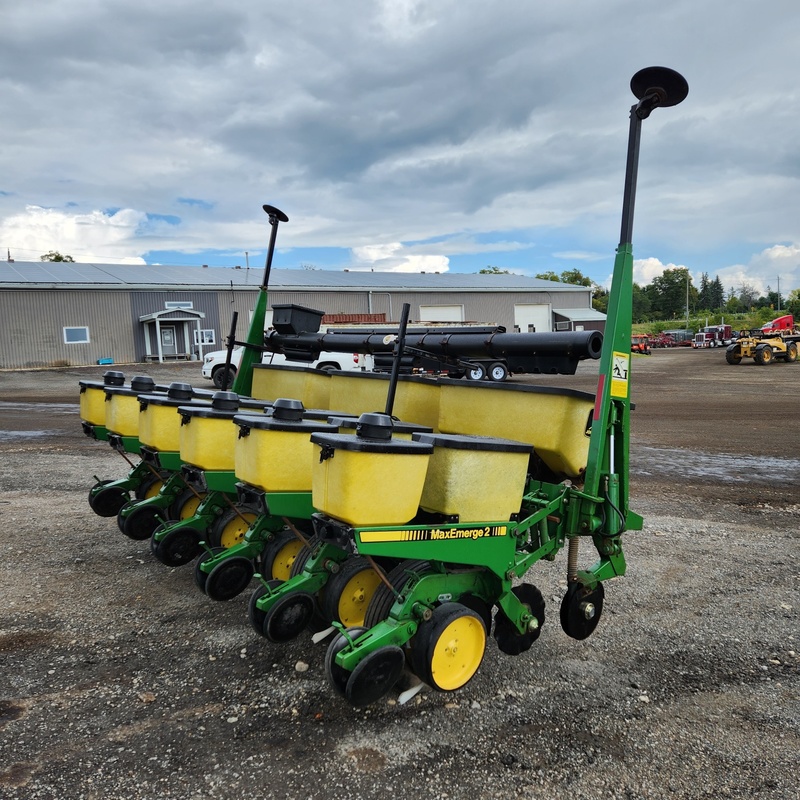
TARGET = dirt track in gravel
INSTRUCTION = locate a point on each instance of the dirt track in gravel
(119, 680)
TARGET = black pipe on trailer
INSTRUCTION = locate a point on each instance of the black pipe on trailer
(553, 353)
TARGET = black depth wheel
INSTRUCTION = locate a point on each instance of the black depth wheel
(199, 575)
(178, 547)
(337, 676)
(141, 523)
(508, 639)
(349, 592)
(254, 613)
(375, 675)
(279, 555)
(448, 648)
(229, 578)
(289, 617)
(581, 610)
(107, 502)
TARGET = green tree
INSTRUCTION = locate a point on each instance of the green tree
(54, 255)
(667, 292)
(641, 304)
(494, 271)
(704, 294)
(548, 276)
(716, 294)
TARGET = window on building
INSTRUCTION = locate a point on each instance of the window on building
(77, 335)
(205, 336)
(178, 304)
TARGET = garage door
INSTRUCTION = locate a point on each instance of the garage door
(530, 317)
(441, 313)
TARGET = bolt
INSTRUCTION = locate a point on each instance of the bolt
(588, 610)
(533, 625)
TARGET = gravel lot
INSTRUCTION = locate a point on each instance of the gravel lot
(120, 680)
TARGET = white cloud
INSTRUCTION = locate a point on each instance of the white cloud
(94, 237)
(393, 257)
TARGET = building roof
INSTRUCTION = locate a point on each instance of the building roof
(580, 314)
(65, 275)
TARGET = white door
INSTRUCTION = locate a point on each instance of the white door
(441, 313)
(168, 347)
(532, 318)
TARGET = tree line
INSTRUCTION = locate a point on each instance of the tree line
(673, 293)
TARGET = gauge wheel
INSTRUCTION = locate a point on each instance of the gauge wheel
(337, 676)
(498, 372)
(230, 528)
(581, 610)
(229, 578)
(177, 547)
(279, 555)
(448, 648)
(475, 372)
(384, 598)
(375, 675)
(200, 576)
(150, 486)
(348, 593)
(184, 506)
(107, 502)
(141, 522)
(509, 640)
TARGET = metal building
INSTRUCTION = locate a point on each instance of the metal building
(64, 314)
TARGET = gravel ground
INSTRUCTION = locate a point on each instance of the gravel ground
(120, 680)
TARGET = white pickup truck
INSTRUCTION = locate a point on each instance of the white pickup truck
(214, 363)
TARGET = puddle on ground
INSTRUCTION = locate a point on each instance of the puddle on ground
(38, 408)
(729, 467)
(10, 436)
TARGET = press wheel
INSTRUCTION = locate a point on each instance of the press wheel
(177, 547)
(349, 591)
(150, 486)
(509, 639)
(141, 522)
(337, 676)
(229, 529)
(279, 555)
(107, 502)
(448, 648)
(581, 610)
(375, 675)
(289, 617)
(184, 506)
(200, 576)
(229, 578)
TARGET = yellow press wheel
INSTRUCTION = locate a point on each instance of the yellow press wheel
(149, 487)
(185, 504)
(279, 555)
(448, 648)
(230, 528)
(348, 593)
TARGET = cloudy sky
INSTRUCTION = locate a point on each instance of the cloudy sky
(401, 135)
